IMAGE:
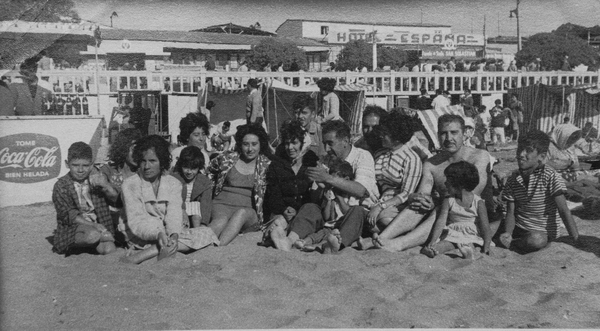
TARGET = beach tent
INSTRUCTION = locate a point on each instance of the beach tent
(352, 102)
(544, 106)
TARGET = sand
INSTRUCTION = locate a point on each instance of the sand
(248, 286)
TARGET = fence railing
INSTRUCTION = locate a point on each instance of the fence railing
(389, 83)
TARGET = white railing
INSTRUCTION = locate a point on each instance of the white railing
(385, 83)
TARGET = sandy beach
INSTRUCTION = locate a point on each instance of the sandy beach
(248, 286)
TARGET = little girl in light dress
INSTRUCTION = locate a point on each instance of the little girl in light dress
(462, 220)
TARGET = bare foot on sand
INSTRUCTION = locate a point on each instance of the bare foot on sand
(428, 252)
(467, 251)
(385, 244)
(299, 244)
(365, 243)
(280, 239)
(334, 242)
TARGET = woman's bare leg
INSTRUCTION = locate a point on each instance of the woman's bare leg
(239, 219)
(219, 218)
(406, 221)
(418, 236)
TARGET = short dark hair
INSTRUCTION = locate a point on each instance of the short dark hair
(373, 110)
(257, 130)
(190, 157)
(341, 129)
(462, 175)
(226, 124)
(119, 149)
(423, 91)
(399, 127)
(534, 139)
(303, 101)
(252, 82)
(439, 91)
(156, 143)
(189, 123)
(291, 130)
(449, 118)
(341, 168)
(498, 102)
(80, 151)
(210, 104)
(327, 84)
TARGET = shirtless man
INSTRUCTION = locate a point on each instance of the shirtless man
(413, 225)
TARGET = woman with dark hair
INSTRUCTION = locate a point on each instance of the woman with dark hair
(153, 206)
(397, 171)
(330, 105)
(240, 184)
(193, 130)
(288, 185)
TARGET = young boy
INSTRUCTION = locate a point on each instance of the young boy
(334, 207)
(535, 193)
(82, 214)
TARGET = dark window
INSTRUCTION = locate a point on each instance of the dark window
(324, 29)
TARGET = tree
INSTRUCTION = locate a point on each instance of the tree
(551, 49)
(355, 54)
(359, 53)
(388, 56)
(38, 10)
(274, 51)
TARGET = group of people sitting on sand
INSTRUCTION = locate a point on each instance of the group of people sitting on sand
(316, 190)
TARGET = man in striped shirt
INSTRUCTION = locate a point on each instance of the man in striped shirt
(535, 196)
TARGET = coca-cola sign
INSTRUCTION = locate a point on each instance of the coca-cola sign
(29, 158)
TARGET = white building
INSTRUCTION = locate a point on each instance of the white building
(431, 41)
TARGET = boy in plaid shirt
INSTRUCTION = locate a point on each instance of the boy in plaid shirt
(82, 214)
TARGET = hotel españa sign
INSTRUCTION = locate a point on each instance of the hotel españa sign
(29, 158)
(399, 36)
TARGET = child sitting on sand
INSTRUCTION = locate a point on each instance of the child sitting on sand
(462, 220)
(535, 196)
(334, 207)
(197, 188)
(82, 211)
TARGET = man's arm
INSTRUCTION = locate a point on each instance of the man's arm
(422, 199)
(320, 175)
(482, 162)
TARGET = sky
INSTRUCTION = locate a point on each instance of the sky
(465, 16)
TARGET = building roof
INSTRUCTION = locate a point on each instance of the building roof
(197, 37)
(235, 29)
(426, 25)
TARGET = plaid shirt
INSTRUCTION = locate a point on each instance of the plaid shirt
(66, 203)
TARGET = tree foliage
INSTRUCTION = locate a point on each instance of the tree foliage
(552, 47)
(274, 51)
(359, 53)
(38, 10)
(355, 54)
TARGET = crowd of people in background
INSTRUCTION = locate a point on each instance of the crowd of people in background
(316, 188)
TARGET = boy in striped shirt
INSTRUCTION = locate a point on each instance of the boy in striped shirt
(535, 196)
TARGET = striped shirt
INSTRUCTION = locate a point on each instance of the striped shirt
(191, 207)
(399, 170)
(535, 208)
